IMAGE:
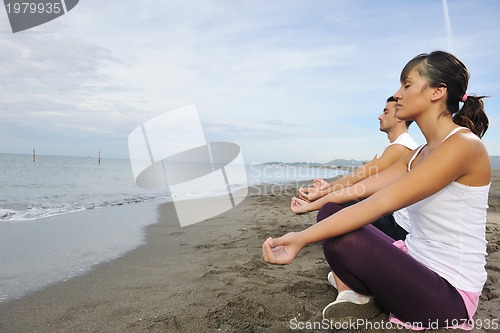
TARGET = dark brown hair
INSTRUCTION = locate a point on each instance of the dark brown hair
(442, 69)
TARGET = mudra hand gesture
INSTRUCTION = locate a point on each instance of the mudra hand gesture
(314, 193)
(299, 206)
(282, 250)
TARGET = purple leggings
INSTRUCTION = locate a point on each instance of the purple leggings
(368, 262)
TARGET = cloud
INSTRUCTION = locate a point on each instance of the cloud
(268, 75)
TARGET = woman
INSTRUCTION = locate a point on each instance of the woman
(434, 278)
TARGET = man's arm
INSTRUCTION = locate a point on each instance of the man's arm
(391, 155)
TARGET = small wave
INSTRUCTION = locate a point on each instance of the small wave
(34, 213)
(6, 214)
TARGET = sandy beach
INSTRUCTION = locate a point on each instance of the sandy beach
(210, 277)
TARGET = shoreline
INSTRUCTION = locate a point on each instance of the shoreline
(37, 253)
(210, 277)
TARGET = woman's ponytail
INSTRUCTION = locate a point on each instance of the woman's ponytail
(472, 115)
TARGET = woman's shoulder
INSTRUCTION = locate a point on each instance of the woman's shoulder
(471, 153)
(464, 141)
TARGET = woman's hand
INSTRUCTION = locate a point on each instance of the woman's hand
(282, 250)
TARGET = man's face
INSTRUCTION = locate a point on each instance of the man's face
(388, 117)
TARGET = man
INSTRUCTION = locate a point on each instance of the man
(395, 225)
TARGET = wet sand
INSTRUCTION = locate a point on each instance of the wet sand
(209, 277)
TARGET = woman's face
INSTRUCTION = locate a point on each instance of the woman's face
(411, 96)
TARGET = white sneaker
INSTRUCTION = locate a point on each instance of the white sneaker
(331, 279)
(350, 305)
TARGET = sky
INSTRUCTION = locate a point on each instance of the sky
(285, 80)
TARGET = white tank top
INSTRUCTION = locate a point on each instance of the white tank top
(404, 139)
(448, 233)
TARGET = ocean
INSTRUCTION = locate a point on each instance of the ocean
(44, 240)
(54, 185)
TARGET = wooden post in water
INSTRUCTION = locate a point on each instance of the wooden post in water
(34, 155)
(99, 157)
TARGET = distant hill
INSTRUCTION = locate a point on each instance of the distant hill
(495, 163)
(296, 164)
(345, 163)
